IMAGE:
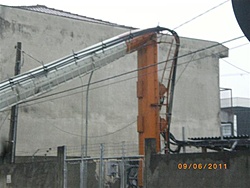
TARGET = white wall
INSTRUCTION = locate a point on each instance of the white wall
(57, 120)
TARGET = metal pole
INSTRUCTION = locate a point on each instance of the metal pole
(87, 115)
(171, 100)
(183, 138)
(84, 151)
(14, 109)
(82, 169)
(65, 170)
(85, 166)
(123, 174)
(101, 167)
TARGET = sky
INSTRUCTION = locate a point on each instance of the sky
(219, 25)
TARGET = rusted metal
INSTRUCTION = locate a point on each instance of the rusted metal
(148, 112)
(138, 42)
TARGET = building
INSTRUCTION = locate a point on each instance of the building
(48, 34)
(236, 112)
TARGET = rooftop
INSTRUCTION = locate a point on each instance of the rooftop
(235, 102)
(55, 12)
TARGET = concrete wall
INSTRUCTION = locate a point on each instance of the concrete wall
(45, 175)
(221, 169)
(38, 174)
(55, 172)
(58, 120)
(163, 171)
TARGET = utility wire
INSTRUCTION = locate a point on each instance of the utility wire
(116, 130)
(236, 74)
(236, 66)
(4, 120)
(129, 72)
(200, 15)
(30, 56)
(133, 121)
(79, 87)
(97, 136)
(191, 60)
(135, 70)
(119, 82)
(128, 124)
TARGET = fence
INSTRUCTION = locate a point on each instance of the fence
(105, 165)
(226, 100)
(102, 165)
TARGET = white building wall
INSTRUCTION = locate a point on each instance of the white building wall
(58, 120)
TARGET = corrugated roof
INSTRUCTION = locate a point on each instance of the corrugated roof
(219, 138)
(55, 12)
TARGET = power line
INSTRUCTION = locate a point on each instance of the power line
(200, 15)
(177, 80)
(30, 56)
(236, 66)
(97, 136)
(4, 120)
(133, 121)
(236, 74)
(79, 87)
(135, 70)
(116, 130)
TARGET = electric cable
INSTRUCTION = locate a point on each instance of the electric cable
(38, 98)
(4, 120)
(114, 83)
(30, 56)
(184, 69)
(235, 74)
(78, 87)
(130, 78)
(128, 125)
(97, 136)
(200, 15)
(135, 70)
(235, 66)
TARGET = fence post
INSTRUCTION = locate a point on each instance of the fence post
(101, 167)
(62, 167)
(123, 174)
(82, 170)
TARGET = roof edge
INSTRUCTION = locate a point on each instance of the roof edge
(56, 12)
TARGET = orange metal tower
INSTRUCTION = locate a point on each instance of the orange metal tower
(148, 98)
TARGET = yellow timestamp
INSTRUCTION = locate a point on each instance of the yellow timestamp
(201, 166)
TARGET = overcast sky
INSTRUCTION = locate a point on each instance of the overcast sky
(217, 25)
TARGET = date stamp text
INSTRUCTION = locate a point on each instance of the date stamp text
(201, 166)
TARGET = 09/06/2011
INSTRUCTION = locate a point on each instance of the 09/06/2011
(200, 166)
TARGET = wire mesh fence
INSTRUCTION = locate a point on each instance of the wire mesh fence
(105, 165)
(97, 165)
(110, 150)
